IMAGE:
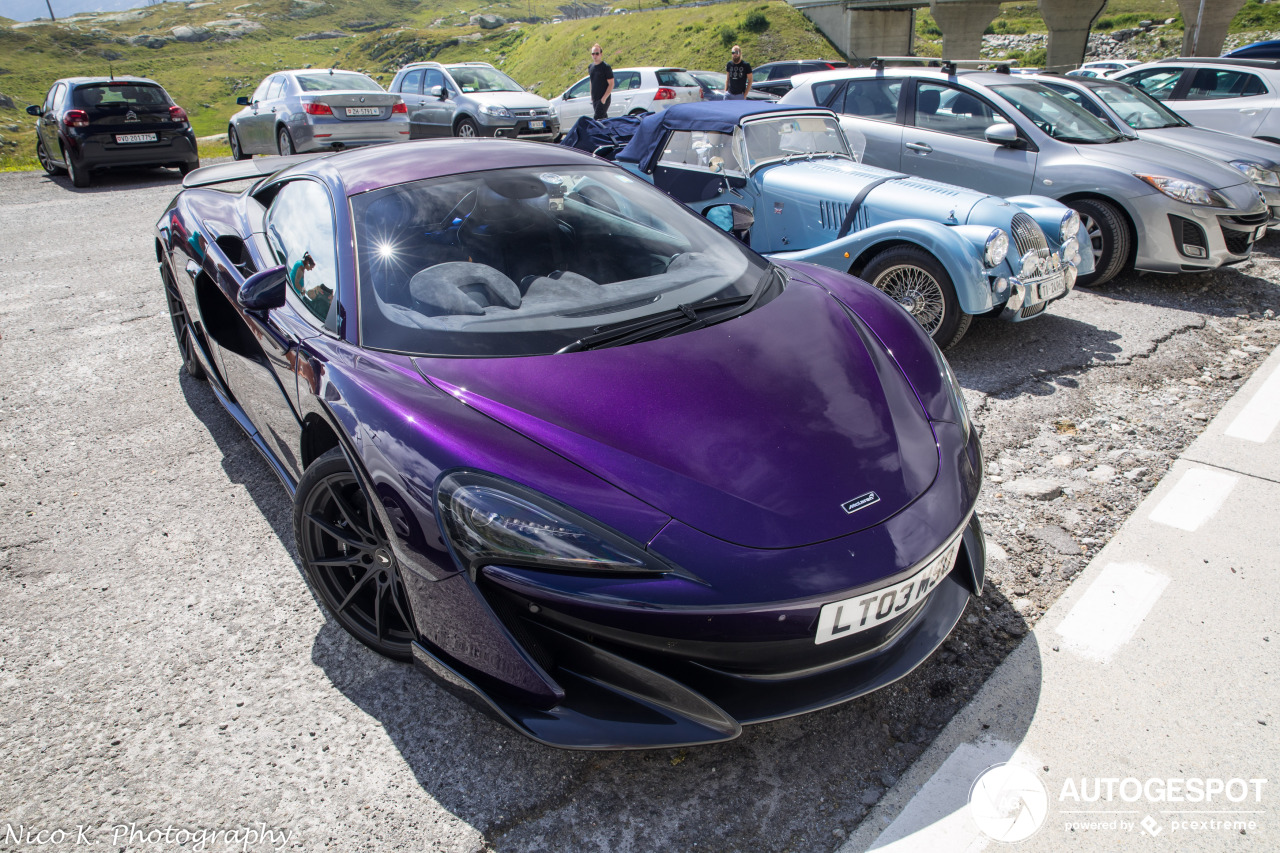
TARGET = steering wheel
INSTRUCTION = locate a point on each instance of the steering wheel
(1133, 119)
(453, 212)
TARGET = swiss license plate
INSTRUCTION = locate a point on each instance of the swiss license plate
(125, 138)
(1053, 287)
(363, 111)
(864, 612)
(537, 125)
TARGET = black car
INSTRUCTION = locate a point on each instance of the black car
(774, 78)
(91, 123)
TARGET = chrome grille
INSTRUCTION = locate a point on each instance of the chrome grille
(1027, 236)
(831, 214)
(1032, 310)
(531, 113)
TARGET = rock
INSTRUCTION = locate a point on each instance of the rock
(6, 103)
(1056, 538)
(1102, 474)
(191, 34)
(872, 795)
(1035, 488)
(995, 551)
(487, 22)
(331, 34)
(1062, 460)
(1022, 605)
(147, 40)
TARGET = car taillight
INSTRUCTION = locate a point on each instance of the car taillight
(317, 109)
(75, 118)
(400, 108)
(665, 94)
(177, 113)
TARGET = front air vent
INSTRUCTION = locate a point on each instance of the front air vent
(831, 214)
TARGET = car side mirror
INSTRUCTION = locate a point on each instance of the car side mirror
(1004, 133)
(34, 110)
(242, 101)
(264, 290)
(737, 219)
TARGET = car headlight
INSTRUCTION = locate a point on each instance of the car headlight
(487, 519)
(1069, 228)
(1191, 192)
(499, 112)
(956, 393)
(997, 247)
(1258, 173)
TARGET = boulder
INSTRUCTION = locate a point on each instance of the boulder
(487, 22)
(191, 34)
(324, 35)
(6, 103)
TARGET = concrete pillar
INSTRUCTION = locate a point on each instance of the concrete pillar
(1069, 24)
(879, 32)
(962, 23)
(1213, 25)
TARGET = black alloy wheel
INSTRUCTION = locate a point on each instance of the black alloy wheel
(284, 142)
(1109, 239)
(348, 558)
(46, 162)
(233, 139)
(919, 283)
(79, 174)
(182, 329)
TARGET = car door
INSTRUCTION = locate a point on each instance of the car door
(631, 93)
(435, 110)
(574, 103)
(870, 106)
(698, 166)
(945, 139)
(1227, 99)
(409, 88)
(47, 126)
(258, 129)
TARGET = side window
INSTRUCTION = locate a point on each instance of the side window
(759, 75)
(260, 93)
(1214, 83)
(276, 88)
(433, 82)
(876, 98)
(1082, 101)
(411, 84)
(300, 232)
(580, 89)
(828, 92)
(1156, 82)
(784, 71)
(696, 149)
(626, 80)
(55, 94)
(953, 111)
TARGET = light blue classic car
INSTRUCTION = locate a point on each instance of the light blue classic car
(797, 190)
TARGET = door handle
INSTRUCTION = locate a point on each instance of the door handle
(922, 147)
(1248, 112)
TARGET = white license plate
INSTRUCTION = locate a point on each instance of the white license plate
(125, 138)
(363, 111)
(864, 612)
(537, 125)
(1053, 287)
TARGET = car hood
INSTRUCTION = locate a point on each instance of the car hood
(1225, 146)
(1153, 158)
(756, 430)
(840, 181)
(510, 100)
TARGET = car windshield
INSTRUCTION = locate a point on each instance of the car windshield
(1056, 115)
(527, 261)
(1138, 109)
(337, 81)
(119, 95)
(714, 79)
(481, 79)
(793, 136)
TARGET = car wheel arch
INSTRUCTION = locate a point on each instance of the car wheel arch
(318, 438)
(1125, 213)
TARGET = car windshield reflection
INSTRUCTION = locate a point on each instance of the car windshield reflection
(777, 139)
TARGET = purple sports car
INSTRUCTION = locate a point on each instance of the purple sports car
(588, 459)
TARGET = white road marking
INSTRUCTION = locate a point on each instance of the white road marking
(1111, 609)
(1260, 415)
(1194, 499)
(937, 819)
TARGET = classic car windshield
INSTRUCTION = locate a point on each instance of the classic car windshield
(793, 136)
(1056, 115)
(1138, 109)
(526, 261)
(481, 79)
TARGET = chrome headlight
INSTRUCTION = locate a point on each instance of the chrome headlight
(997, 247)
(1258, 173)
(1069, 228)
(1190, 192)
(487, 519)
(498, 112)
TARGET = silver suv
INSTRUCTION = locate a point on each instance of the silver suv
(1143, 204)
(471, 99)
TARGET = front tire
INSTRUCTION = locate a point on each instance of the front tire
(46, 162)
(284, 142)
(237, 150)
(1109, 239)
(348, 558)
(919, 283)
(182, 330)
(466, 128)
(79, 175)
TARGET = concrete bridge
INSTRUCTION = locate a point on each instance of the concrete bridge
(862, 28)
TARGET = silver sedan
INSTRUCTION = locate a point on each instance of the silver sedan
(316, 110)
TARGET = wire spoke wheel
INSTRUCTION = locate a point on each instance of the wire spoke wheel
(182, 330)
(349, 559)
(917, 291)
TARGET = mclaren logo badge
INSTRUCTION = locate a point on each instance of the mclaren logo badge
(860, 502)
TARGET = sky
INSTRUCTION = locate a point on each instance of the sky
(29, 10)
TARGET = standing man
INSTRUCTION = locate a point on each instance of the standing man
(737, 77)
(601, 83)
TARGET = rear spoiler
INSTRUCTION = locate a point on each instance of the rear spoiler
(223, 173)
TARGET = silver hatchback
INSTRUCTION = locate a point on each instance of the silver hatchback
(1143, 204)
(292, 112)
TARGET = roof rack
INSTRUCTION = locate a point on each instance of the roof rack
(1224, 60)
(948, 66)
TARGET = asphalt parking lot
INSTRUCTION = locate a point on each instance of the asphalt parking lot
(164, 668)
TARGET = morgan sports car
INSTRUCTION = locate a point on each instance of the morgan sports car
(589, 460)
(945, 253)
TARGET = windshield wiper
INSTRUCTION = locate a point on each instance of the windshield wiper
(685, 317)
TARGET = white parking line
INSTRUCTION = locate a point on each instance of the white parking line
(1260, 415)
(1194, 499)
(1111, 609)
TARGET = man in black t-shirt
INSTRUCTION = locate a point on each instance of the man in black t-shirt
(737, 77)
(601, 83)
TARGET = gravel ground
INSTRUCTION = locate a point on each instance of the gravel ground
(164, 667)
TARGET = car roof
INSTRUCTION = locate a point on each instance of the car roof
(1220, 60)
(982, 78)
(118, 78)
